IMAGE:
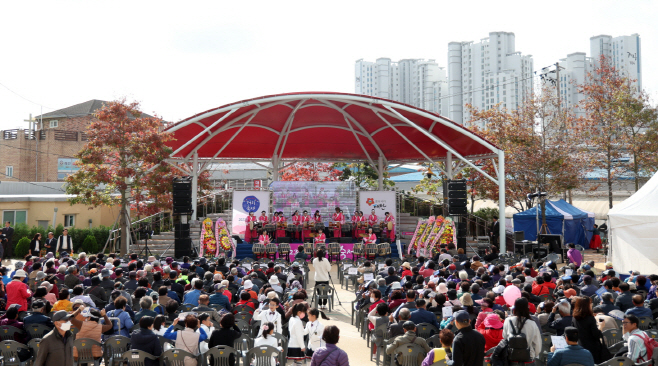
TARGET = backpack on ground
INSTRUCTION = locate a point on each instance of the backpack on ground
(650, 344)
(517, 345)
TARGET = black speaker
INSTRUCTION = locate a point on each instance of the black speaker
(519, 236)
(182, 201)
(457, 194)
(182, 192)
(456, 185)
(461, 229)
(345, 240)
(182, 195)
(182, 247)
(457, 210)
(181, 231)
(457, 202)
(284, 239)
(461, 243)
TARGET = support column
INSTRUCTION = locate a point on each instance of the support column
(275, 168)
(380, 168)
(501, 200)
(449, 164)
(195, 183)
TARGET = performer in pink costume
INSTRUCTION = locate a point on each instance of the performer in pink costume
(250, 233)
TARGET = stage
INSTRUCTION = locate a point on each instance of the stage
(244, 251)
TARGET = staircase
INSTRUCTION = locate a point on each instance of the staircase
(163, 243)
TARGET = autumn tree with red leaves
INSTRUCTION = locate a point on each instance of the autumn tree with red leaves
(122, 162)
(542, 145)
(622, 124)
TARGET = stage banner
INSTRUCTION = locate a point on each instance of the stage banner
(245, 201)
(380, 201)
(291, 196)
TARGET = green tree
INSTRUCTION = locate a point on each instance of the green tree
(90, 245)
(363, 175)
(22, 247)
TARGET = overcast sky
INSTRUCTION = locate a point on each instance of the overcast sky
(181, 58)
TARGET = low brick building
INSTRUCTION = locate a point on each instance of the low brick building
(46, 155)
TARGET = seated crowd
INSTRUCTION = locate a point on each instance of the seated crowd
(191, 305)
(477, 306)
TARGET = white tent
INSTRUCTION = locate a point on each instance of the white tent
(634, 231)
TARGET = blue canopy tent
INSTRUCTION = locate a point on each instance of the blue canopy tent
(561, 218)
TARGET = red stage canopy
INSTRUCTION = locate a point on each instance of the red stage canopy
(321, 126)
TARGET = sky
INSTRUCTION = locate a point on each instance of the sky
(181, 58)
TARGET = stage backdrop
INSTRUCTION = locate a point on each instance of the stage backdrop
(380, 201)
(310, 196)
(245, 201)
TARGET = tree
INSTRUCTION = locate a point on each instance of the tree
(309, 172)
(122, 158)
(621, 124)
(363, 175)
(542, 145)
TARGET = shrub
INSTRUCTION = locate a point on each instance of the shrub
(487, 213)
(22, 247)
(89, 245)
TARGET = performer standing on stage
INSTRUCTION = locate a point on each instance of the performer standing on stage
(296, 220)
(280, 223)
(373, 219)
(250, 229)
(370, 237)
(390, 225)
(317, 218)
(361, 223)
(355, 219)
(339, 220)
(263, 219)
(305, 221)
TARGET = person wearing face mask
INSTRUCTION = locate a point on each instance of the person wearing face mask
(56, 347)
(144, 339)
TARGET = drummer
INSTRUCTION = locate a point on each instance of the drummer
(317, 218)
(355, 219)
(370, 237)
(296, 220)
(263, 239)
(320, 238)
(280, 221)
(390, 225)
(339, 219)
(263, 219)
(250, 227)
(361, 220)
(305, 221)
(373, 219)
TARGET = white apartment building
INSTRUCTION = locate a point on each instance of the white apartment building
(625, 53)
(487, 73)
(417, 82)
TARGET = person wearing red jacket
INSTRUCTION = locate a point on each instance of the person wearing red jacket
(17, 291)
(492, 330)
(540, 287)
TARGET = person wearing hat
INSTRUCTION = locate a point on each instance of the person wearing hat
(410, 336)
(17, 291)
(491, 327)
(87, 322)
(275, 284)
(106, 282)
(218, 297)
(572, 354)
(406, 270)
(56, 347)
(38, 315)
(468, 346)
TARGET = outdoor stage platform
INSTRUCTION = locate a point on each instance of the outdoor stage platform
(244, 250)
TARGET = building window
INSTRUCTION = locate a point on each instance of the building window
(69, 220)
(9, 171)
(15, 217)
(54, 123)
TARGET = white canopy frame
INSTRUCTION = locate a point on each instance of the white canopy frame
(390, 109)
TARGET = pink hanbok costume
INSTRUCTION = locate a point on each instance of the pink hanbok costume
(263, 239)
(338, 218)
(361, 219)
(280, 233)
(320, 239)
(355, 219)
(370, 239)
(306, 233)
(249, 234)
(296, 220)
(390, 233)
